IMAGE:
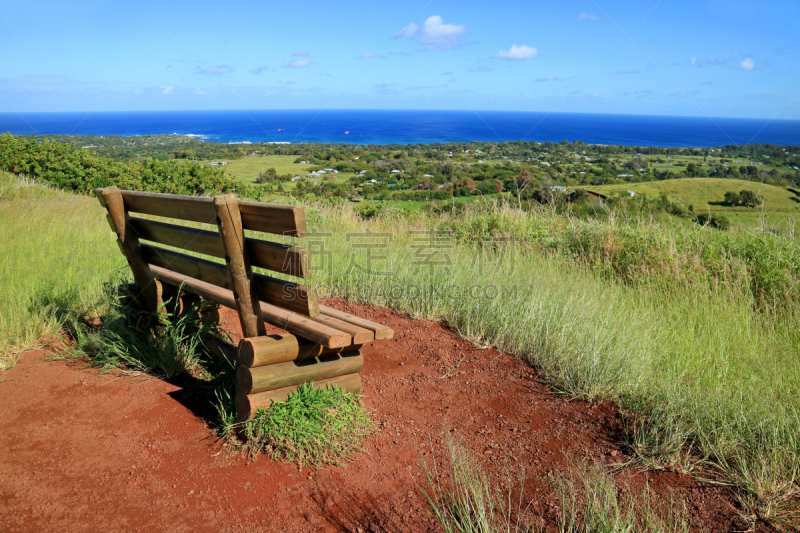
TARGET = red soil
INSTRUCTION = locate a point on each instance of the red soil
(89, 452)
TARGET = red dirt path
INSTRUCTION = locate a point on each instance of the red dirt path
(88, 452)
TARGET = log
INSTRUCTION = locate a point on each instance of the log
(264, 378)
(229, 222)
(272, 349)
(149, 289)
(220, 348)
(246, 405)
(381, 332)
(291, 322)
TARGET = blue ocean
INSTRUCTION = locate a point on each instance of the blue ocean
(412, 127)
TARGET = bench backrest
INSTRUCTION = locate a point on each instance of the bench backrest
(229, 243)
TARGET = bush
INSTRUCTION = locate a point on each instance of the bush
(715, 221)
(82, 171)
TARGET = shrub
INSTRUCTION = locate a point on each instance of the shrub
(82, 171)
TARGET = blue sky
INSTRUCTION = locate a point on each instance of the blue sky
(715, 58)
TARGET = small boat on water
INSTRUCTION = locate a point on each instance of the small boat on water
(347, 133)
(280, 129)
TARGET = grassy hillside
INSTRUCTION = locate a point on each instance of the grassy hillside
(780, 206)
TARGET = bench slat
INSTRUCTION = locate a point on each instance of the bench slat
(381, 332)
(193, 208)
(256, 216)
(295, 324)
(292, 296)
(360, 335)
(192, 239)
(274, 218)
(281, 258)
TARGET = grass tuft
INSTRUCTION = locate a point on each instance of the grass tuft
(313, 426)
(590, 502)
(470, 502)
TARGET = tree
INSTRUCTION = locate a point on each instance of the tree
(750, 199)
(265, 177)
(638, 163)
(732, 198)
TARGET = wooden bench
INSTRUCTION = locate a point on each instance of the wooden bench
(321, 344)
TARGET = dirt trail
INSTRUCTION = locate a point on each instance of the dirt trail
(90, 452)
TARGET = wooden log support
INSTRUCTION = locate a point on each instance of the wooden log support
(272, 349)
(150, 290)
(220, 348)
(229, 221)
(246, 405)
(264, 378)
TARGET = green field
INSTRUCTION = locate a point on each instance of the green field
(780, 206)
(247, 168)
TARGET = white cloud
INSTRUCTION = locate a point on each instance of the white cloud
(433, 34)
(548, 78)
(166, 89)
(298, 63)
(259, 69)
(747, 64)
(199, 91)
(300, 53)
(587, 16)
(215, 70)
(371, 55)
(517, 53)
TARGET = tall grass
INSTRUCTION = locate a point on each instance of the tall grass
(708, 374)
(56, 252)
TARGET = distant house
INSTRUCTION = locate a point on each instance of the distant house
(396, 171)
(428, 175)
(631, 193)
(295, 178)
(559, 188)
(362, 172)
(303, 162)
(215, 163)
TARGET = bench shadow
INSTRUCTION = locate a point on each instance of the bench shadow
(195, 395)
(347, 511)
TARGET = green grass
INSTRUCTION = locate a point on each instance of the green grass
(313, 426)
(57, 254)
(246, 169)
(137, 342)
(780, 206)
